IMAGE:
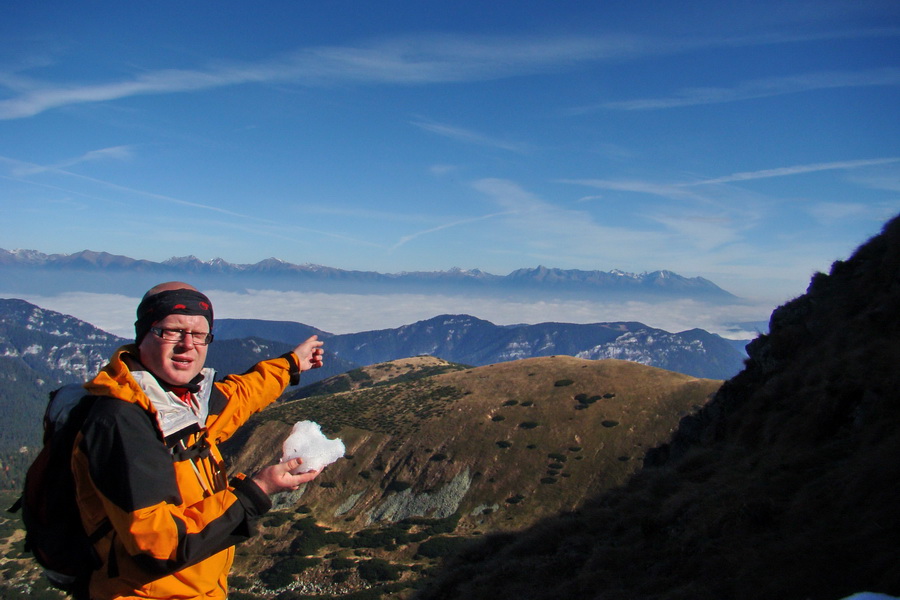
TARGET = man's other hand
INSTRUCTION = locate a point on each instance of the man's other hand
(277, 478)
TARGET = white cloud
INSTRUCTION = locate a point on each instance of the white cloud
(762, 88)
(441, 170)
(20, 167)
(720, 214)
(114, 153)
(470, 137)
(833, 212)
(246, 222)
(714, 236)
(707, 232)
(113, 313)
(664, 190)
(552, 231)
(350, 313)
(887, 179)
(407, 238)
(408, 60)
(425, 59)
(797, 170)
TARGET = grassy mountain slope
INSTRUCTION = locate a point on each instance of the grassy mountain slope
(496, 426)
(784, 486)
(492, 448)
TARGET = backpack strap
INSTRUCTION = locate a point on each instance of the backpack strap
(196, 452)
(104, 528)
(101, 531)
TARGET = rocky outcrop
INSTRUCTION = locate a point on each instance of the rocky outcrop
(435, 505)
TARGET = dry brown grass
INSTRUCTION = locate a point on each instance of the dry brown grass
(553, 450)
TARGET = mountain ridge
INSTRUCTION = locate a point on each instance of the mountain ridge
(471, 340)
(280, 274)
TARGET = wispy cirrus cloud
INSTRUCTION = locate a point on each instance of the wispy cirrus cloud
(441, 170)
(834, 212)
(39, 96)
(721, 215)
(796, 170)
(112, 153)
(20, 171)
(416, 60)
(667, 190)
(407, 238)
(547, 231)
(682, 190)
(468, 136)
(759, 88)
(715, 237)
(406, 60)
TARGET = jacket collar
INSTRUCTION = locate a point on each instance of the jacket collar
(126, 379)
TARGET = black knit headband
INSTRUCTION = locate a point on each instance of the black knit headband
(171, 302)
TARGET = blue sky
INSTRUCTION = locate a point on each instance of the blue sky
(748, 143)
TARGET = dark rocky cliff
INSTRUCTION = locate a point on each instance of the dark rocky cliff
(787, 485)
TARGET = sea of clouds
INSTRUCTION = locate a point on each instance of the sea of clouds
(351, 313)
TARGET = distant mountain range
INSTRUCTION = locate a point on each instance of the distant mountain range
(29, 271)
(468, 340)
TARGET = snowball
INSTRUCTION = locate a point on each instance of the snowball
(307, 442)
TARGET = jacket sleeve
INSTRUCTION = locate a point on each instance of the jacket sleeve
(240, 396)
(136, 481)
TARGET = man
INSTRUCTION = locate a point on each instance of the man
(149, 476)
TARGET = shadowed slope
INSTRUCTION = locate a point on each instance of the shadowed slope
(787, 485)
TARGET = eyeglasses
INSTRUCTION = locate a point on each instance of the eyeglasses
(200, 338)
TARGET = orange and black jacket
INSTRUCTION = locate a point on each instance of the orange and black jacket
(174, 516)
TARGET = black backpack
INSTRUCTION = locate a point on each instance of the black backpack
(53, 530)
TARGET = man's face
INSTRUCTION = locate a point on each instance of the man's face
(176, 363)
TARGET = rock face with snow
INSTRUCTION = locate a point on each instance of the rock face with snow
(785, 486)
(63, 346)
